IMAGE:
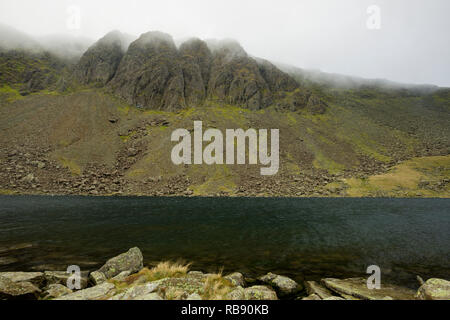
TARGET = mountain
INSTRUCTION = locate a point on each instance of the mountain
(101, 124)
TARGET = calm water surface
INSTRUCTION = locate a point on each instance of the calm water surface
(301, 238)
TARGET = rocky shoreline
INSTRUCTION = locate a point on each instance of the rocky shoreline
(124, 277)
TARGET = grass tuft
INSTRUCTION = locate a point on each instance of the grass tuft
(216, 287)
(161, 271)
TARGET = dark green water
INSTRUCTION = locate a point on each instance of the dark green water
(301, 238)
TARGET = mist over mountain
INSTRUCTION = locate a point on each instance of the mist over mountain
(11, 39)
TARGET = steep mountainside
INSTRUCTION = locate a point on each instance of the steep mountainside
(102, 124)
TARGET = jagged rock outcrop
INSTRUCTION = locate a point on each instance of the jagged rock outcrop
(155, 74)
(99, 63)
(150, 74)
(235, 78)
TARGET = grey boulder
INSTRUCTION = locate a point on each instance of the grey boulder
(434, 289)
(17, 290)
(283, 285)
(131, 260)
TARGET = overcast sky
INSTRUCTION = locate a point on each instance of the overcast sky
(412, 44)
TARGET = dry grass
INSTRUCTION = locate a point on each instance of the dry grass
(216, 287)
(161, 271)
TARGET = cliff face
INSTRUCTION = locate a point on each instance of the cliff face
(154, 74)
(100, 62)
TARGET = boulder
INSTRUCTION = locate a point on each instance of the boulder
(312, 297)
(334, 298)
(95, 293)
(121, 276)
(131, 260)
(181, 288)
(61, 277)
(36, 278)
(236, 294)
(97, 277)
(55, 291)
(259, 293)
(137, 291)
(314, 288)
(434, 289)
(17, 290)
(357, 288)
(194, 296)
(237, 279)
(150, 297)
(283, 285)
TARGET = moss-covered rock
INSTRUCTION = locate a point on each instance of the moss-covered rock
(283, 285)
(434, 289)
(10, 290)
(131, 260)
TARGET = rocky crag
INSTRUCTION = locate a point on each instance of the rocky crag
(152, 73)
(124, 278)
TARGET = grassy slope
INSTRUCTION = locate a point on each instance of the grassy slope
(418, 177)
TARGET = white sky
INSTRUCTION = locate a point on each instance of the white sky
(413, 44)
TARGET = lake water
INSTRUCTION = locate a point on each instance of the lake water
(301, 238)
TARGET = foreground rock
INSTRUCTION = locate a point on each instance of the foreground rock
(317, 290)
(10, 290)
(236, 279)
(95, 293)
(124, 278)
(140, 292)
(131, 261)
(36, 278)
(56, 291)
(61, 277)
(434, 289)
(259, 293)
(252, 293)
(283, 285)
(357, 288)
